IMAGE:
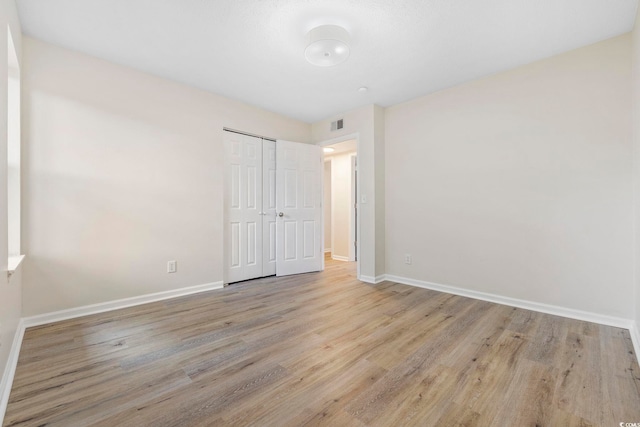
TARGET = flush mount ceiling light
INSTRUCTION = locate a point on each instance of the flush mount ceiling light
(328, 45)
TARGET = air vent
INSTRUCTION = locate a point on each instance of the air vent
(337, 125)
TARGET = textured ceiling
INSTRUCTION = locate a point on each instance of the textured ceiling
(252, 50)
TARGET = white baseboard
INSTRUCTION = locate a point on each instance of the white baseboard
(571, 313)
(57, 316)
(340, 258)
(327, 250)
(373, 280)
(634, 331)
(10, 369)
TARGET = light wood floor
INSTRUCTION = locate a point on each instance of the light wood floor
(324, 349)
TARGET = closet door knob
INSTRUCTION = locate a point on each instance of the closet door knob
(281, 214)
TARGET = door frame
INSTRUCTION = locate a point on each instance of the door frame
(352, 136)
(353, 209)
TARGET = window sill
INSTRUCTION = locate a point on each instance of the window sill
(14, 263)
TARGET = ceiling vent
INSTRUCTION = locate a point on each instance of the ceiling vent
(337, 125)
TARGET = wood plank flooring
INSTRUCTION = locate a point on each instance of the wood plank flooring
(324, 349)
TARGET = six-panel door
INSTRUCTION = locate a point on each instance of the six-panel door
(299, 205)
(243, 201)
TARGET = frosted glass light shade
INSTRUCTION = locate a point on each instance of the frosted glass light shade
(328, 45)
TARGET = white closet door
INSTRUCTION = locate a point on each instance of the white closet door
(268, 207)
(243, 201)
(299, 170)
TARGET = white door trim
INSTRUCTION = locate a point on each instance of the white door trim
(352, 207)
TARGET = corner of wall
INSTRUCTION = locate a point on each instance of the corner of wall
(6, 380)
(380, 177)
(635, 98)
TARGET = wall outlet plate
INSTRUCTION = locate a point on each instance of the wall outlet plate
(172, 266)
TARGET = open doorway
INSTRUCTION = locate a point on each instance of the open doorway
(340, 196)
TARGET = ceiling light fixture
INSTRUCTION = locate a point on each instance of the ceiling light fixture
(328, 149)
(328, 46)
(363, 89)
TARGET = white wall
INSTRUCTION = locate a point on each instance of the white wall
(327, 205)
(341, 202)
(10, 290)
(123, 173)
(519, 184)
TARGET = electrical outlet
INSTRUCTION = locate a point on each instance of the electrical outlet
(407, 258)
(172, 266)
